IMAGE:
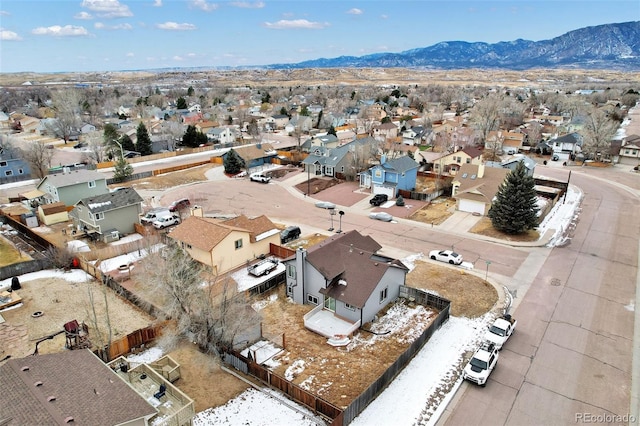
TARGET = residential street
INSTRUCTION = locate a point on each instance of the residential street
(573, 354)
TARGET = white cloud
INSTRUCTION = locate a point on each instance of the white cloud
(107, 8)
(101, 26)
(248, 5)
(9, 35)
(157, 3)
(295, 24)
(355, 11)
(203, 5)
(384, 16)
(4, 13)
(130, 55)
(174, 26)
(177, 58)
(59, 31)
(85, 16)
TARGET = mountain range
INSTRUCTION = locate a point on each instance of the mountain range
(609, 46)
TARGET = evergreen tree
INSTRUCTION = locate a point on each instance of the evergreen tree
(181, 103)
(193, 138)
(127, 144)
(233, 164)
(332, 131)
(143, 143)
(515, 209)
(122, 170)
(190, 91)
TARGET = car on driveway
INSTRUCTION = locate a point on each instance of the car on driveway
(325, 205)
(448, 256)
(165, 221)
(383, 216)
(259, 177)
(379, 199)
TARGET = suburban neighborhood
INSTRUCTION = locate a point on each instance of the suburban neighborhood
(144, 246)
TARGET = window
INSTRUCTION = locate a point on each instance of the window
(312, 299)
(92, 184)
(238, 244)
(383, 294)
(468, 160)
(8, 172)
(99, 216)
(79, 209)
(291, 271)
(349, 307)
(20, 171)
(3, 164)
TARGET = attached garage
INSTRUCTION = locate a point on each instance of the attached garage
(470, 206)
(390, 191)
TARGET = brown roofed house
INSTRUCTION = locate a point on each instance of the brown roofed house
(71, 387)
(475, 186)
(348, 280)
(226, 245)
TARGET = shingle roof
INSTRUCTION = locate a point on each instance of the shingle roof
(111, 200)
(84, 388)
(202, 232)
(252, 152)
(350, 263)
(401, 164)
(482, 188)
(255, 226)
(60, 180)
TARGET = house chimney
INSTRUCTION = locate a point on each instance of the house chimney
(197, 211)
(480, 171)
(383, 158)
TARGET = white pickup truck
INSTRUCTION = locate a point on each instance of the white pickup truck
(500, 331)
(481, 364)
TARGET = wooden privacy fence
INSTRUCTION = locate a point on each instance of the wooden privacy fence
(133, 340)
(338, 416)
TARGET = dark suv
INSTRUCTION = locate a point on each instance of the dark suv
(180, 204)
(289, 233)
(378, 199)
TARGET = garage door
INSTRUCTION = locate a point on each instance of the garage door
(378, 189)
(471, 206)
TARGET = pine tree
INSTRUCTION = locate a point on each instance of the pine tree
(233, 164)
(143, 144)
(515, 208)
(122, 170)
(127, 143)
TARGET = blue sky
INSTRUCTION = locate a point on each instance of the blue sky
(108, 35)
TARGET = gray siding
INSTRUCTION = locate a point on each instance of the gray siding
(74, 193)
(392, 280)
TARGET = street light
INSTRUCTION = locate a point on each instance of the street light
(332, 213)
(486, 275)
(341, 213)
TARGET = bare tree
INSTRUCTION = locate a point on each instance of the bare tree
(208, 310)
(175, 131)
(39, 156)
(598, 130)
(101, 338)
(96, 152)
(485, 115)
(67, 105)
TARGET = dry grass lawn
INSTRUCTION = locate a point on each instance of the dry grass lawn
(435, 212)
(484, 227)
(170, 180)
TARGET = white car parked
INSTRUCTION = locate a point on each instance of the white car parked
(259, 177)
(165, 221)
(448, 256)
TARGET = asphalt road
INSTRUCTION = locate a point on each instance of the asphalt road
(572, 358)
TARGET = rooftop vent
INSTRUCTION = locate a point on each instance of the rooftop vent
(51, 398)
(342, 282)
(36, 384)
(25, 368)
(68, 419)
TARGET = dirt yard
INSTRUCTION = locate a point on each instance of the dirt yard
(484, 227)
(170, 180)
(435, 212)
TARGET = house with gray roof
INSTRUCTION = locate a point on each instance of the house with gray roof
(70, 186)
(108, 216)
(347, 279)
(70, 387)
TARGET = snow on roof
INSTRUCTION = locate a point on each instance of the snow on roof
(96, 205)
